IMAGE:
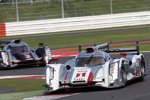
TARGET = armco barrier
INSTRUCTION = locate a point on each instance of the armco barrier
(77, 23)
(2, 29)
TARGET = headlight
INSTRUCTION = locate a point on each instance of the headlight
(48, 53)
(112, 68)
(5, 58)
(49, 74)
(113, 71)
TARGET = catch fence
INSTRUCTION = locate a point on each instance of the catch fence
(23, 10)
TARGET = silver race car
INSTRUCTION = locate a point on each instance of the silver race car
(17, 53)
(96, 67)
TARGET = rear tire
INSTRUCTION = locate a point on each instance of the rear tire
(42, 65)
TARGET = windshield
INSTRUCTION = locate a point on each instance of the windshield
(18, 49)
(89, 61)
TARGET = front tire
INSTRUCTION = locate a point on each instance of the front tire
(143, 72)
(123, 77)
(2, 67)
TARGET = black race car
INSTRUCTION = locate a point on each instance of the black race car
(17, 53)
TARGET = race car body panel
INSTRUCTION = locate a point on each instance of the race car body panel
(95, 68)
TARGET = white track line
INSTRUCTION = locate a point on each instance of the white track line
(23, 76)
(49, 97)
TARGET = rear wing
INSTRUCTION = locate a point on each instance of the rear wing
(106, 47)
(4, 42)
(10, 41)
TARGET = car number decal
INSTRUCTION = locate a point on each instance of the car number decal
(80, 74)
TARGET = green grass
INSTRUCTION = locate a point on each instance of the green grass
(89, 38)
(20, 95)
(29, 12)
(145, 47)
(65, 40)
(23, 85)
(21, 88)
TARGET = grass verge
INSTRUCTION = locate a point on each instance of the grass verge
(21, 88)
(20, 95)
(54, 40)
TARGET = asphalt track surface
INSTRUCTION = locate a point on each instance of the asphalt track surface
(134, 91)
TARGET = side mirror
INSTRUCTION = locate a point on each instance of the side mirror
(41, 44)
(68, 67)
(130, 63)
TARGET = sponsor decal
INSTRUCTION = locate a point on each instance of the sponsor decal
(80, 76)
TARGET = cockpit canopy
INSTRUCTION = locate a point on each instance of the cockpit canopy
(19, 49)
(94, 58)
(89, 61)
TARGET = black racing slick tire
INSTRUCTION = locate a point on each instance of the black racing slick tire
(123, 77)
(143, 71)
(2, 68)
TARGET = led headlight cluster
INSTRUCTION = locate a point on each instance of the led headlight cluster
(113, 71)
(111, 68)
(49, 74)
(5, 58)
(48, 53)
